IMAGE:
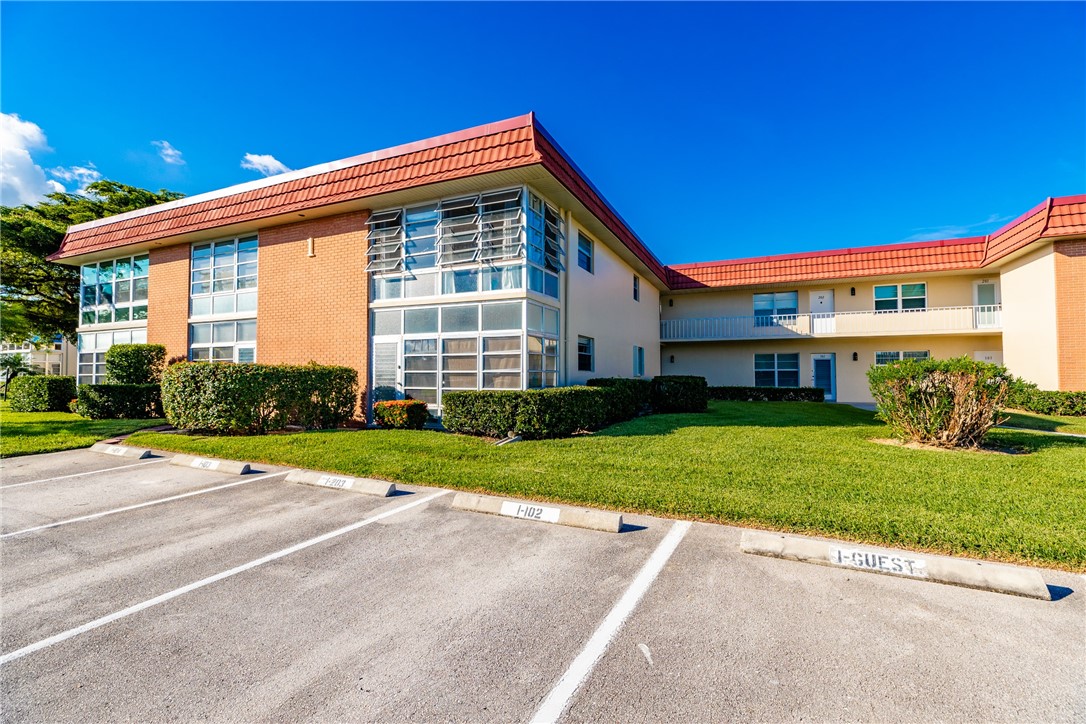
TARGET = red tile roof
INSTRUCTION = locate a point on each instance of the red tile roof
(513, 143)
(1064, 216)
(837, 264)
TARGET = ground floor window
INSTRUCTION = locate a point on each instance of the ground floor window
(233, 341)
(638, 361)
(422, 352)
(776, 370)
(92, 347)
(882, 358)
(586, 349)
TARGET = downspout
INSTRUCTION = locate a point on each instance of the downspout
(563, 352)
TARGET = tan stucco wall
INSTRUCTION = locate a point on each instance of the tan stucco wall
(1029, 318)
(600, 305)
(732, 363)
(943, 291)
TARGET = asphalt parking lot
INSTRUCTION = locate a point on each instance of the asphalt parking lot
(140, 590)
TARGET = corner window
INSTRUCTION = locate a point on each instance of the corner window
(900, 297)
(776, 370)
(586, 347)
(637, 288)
(638, 361)
(584, 253)
(92, 349)
(882, 358)
(114, 290)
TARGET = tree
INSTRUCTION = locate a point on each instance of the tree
(11, 366)
(39, 297)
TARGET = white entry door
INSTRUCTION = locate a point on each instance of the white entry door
(824, 374)
(986, 303)
(822, 319)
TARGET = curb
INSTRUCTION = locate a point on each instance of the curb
(902, 564)
(121, 451)
(221, 466)
(368, 486)
(605, 521)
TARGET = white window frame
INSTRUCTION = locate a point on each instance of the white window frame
(638, 361)
(636, 288)
(586, 253)
(132, 306)
(94, 355)
(898, 356)
(777, 369)
(235, 345)
(898, 299)
(235, 266)
(588, 343)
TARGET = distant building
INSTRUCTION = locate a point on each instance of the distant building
(56, 358)
(484, 259)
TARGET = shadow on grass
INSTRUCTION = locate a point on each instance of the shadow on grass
(746, 414)
(1032, 441)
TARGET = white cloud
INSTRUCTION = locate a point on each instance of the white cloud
(168, 153)
(954, 231)
(264, 164)
(81, 175)
(21, 180)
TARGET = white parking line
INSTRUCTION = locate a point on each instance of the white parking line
(98, 622)
(557, 701)
(78, 475)
(92, 516)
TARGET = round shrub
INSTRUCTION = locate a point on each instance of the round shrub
(135, 364)
(41, 393)
(119, 402)
(627, 397)
(233, 399)
(948, 403)
(401, 414)
(532, 414)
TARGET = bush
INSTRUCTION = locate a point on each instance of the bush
(768, 394)
(117, 402)
(41, 393)
(231, 399)
(679, 393)
(532, 414)
(628, 398)
(135, 364)
(948, 403)
(401, 414)
(1022, 395)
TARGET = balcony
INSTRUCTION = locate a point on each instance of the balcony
(937, 320)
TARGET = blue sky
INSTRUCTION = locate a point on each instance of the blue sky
(717, 130)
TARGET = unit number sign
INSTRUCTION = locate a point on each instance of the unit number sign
(530, 512)
(332, 481)
(114, 450)
(205, 464)
(878, 562)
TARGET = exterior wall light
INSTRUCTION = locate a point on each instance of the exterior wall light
(852, 291)
(855, 356)
(672, 359)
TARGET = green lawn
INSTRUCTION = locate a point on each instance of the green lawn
(788, 466)
(1053, 423)
(27, 433)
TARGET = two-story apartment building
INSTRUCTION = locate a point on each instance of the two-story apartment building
(485, 259)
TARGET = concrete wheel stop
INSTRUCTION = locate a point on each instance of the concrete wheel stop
(220, 466)
(121, 451)
(367, 486)
(540, 512)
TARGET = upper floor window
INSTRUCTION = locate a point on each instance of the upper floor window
(637, 288)
(893, 297)
(412, 249)
(769, 305)
(114, 290)
(224, 277)
(584, 253)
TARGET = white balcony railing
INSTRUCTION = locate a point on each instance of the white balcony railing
(937, 320)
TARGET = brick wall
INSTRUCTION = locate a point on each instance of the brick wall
(315, 308)
(168, 299)
(1071, 312)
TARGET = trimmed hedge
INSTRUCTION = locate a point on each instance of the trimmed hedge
(401, 414)
(1022, 395)
(231, 399)
(768, 394)
(679, 393)
(117, 402)
(628, 397)
(41, 393)
(944, 402)
(135, 364)
(532, 414)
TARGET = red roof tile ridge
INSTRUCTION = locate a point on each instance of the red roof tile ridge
(832, 252)
(487, 129)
